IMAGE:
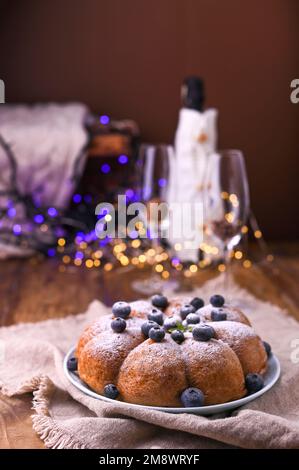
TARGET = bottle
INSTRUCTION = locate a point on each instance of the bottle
(192, 93)
(195, 140)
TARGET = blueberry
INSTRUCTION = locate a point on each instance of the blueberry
(197, 303)
(192, 319)
(121, 309)
(185, 310)
(192, 397)
(72, 363)
(146, 326)
(110, 391)
(203, 333)
(254, 382)
(218, 315)
(156, 315)
(118, 325)
(156, 333)
(217, 300)
(267, 348)
(159, 301)
(170, 323)
(178, 336)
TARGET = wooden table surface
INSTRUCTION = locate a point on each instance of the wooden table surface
(34, 290)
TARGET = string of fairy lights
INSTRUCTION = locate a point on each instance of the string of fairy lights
(67, 236)
(120, 253)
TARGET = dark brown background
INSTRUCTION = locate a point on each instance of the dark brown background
(127, 58)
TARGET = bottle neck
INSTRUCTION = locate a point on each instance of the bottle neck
(192, 96)
(194, 107)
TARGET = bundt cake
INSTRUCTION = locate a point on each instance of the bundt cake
(172, 353)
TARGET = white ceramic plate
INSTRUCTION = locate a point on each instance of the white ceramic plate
(271, 376)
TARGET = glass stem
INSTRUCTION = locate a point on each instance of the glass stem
(226, 280)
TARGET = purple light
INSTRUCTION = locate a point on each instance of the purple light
(105, 168)
(123, 159)
(79, 255)
(175, 261)
(51, 252)
(77, 198)
(52, 212)
(91, 236)
(129, 193)
(17, 229)
(162, 182)
(104, 119)
(59, 232)
(38, 219)
(104, 211)
(105, 241)
(149, 234)
(79, 237)
(134, 234)
(36, 200)
(88, 198)
(11, 212)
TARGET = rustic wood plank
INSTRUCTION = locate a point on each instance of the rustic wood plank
(15, 424)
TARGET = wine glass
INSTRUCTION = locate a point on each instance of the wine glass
(154, 170)
(153, 173)
(226, 200)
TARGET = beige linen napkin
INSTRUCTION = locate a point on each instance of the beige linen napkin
(31, 357)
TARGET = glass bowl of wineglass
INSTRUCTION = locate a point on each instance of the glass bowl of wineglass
(226, 201)
(153, 172)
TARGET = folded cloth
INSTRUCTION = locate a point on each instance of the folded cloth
(48, 142)
(31, 357)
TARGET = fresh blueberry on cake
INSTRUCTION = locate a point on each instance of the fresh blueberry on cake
(159, 301)
(203, 333)
(185, 310)
(267, 348)
(156, 315)
(118, 325)
(121, 309)
(110, 391)
(156, 333)
(254, 383)
(192, 319)
(146, 326)
(178, 336)
(170, 323)
(192, 397)
(217, 300)
(72, 364)
(218, 315)
(197, 303)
